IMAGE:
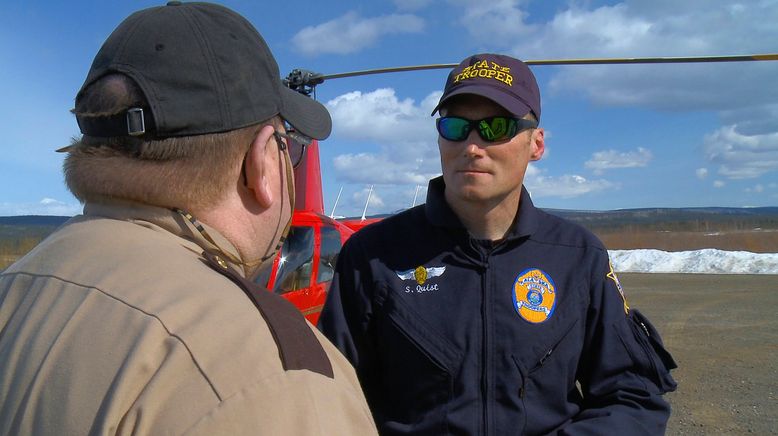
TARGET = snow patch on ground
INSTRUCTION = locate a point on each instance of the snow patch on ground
(707, 261)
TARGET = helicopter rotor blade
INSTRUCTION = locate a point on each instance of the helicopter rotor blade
(591, 61)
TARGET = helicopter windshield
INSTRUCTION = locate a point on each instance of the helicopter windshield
(294, 267)
(330, 247)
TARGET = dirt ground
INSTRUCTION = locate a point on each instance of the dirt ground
(755, 241)
(722, 331)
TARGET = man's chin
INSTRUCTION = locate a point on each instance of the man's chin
(471, 193)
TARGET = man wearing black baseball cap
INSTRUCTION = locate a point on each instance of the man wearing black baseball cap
(490, 316)
(139, 316)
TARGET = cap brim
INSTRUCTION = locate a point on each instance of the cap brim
(305, 114)
(509, 102)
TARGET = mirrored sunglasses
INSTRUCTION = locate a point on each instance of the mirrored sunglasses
(491, 129)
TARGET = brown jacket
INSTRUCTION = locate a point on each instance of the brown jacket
(116, 324)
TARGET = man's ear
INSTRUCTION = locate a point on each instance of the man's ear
(537, 144)
(259, 167)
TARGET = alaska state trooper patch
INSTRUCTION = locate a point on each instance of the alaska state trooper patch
(534, 295)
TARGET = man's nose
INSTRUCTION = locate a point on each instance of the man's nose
(474, 144)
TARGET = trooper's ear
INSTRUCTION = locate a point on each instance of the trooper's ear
(537, 144)
(259, 167)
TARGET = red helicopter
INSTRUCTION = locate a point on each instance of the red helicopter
(303, 269)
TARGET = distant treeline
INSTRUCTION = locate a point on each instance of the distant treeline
(19, 234)
(675, 220)
(732, 229)
(33, 220)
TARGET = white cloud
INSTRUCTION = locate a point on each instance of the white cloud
(46, 206)
(381, 116)
(585, 29)
(702, 173)
(403, 131)
(352, 33)
(742, 156)
(718, 184)
(565, 186)
(608, 159)
(379, 169)
(758, 188)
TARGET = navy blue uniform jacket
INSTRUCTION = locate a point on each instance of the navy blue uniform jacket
(450, 335)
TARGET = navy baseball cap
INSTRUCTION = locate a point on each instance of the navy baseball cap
(203, 68)
(502, 79)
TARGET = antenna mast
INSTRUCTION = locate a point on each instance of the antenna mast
(332, 214)
(369, 193)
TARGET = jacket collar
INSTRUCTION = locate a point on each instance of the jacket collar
(439, 213)
(159, 218)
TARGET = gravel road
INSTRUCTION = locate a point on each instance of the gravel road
(722, 331)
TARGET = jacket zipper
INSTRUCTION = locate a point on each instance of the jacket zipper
(485, 361)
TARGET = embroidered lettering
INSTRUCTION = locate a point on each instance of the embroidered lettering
(486, 70)
(429, 287)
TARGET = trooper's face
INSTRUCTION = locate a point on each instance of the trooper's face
(477, 172)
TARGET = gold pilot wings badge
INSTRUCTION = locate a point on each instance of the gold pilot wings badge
(421, 274)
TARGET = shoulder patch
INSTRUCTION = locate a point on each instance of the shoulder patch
(612, 275)
(534, 295)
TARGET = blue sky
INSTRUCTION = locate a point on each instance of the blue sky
(617, 136)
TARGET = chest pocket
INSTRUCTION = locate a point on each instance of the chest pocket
(417, 365)
(547, 390)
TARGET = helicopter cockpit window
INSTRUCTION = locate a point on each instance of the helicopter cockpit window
(294, 267)
(330, 247)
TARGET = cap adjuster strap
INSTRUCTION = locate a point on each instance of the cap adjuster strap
(136, 125)
(135, 122)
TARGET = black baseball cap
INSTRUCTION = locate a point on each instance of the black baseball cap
(505, 80)
(203, 68)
